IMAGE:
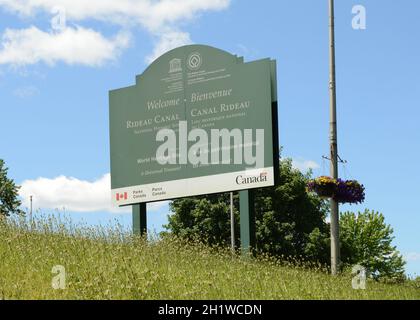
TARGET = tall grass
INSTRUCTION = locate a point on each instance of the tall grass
(109, 263)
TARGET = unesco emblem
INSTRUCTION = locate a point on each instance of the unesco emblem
(194, 61)
(175, 65)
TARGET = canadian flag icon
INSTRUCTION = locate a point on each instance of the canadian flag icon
(121, 196)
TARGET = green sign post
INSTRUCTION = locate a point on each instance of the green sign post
(247, 221)
(198, 121)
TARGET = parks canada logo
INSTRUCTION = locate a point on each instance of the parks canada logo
(241, 179)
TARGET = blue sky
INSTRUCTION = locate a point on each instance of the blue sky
(54, 87)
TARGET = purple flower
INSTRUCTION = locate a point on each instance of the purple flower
(343, 191)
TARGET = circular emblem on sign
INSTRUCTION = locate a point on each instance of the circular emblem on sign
(194, 61)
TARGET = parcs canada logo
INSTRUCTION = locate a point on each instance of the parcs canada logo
(194, 61)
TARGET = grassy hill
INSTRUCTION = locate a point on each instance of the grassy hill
(110, 264)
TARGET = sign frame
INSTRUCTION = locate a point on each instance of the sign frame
(194, 62)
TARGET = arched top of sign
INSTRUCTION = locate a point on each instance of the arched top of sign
(190, 59)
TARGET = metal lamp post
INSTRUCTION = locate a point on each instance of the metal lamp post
(335, 240)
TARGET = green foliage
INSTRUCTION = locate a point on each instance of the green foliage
(206, 218)
(367, 240)
(109, 263)
(9, 202)
(290, 222)
(416, 283)
(288, 217)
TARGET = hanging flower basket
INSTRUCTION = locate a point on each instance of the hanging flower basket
(349, 191)
(323, 186)
(342, 191)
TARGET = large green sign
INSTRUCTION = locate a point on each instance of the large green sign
(169, 131)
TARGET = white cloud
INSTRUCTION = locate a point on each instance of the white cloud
(74, 195)
(72, 46)
(151, 14)
(162, 18)
(412, 256)
(168, 41)
(304, 165)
